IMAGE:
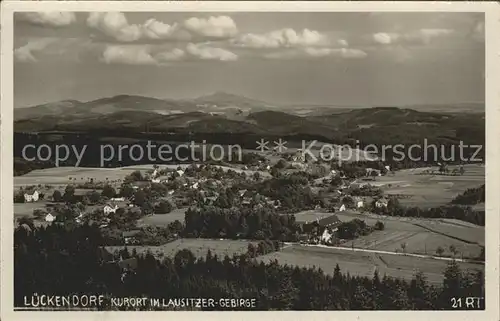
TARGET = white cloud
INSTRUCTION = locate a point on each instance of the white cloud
(385, 38)
(283, 38)
(128, 54)
(155, 29)
(218, 27)
(114, 24)
(343, 43)
(151, 55)
(424, 35)
(210, 53)
(315, 52)
(25, 53)
(48, 18)
(175, 54)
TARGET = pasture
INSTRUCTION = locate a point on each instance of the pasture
(418, 188)
(163, 220)
(199, 247)
(420, 235)
(61, 176)
(362, 263)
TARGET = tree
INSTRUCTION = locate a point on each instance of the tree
(453, 250)
(439, 251)
(403, 246)
(57, 196)
(452, 281)
(163, 207)
(379, 226)
(94, 197)
(19, 196)
(281, 164)
(108, 191)
(69, 194)
(126, 190)
(38, 213)
(139, 198)
(26, 220)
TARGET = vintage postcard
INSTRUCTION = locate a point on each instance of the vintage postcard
(253, 158)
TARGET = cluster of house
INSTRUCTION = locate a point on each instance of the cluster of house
(328, 225)
(155, 176)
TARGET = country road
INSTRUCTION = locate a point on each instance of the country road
(386, 252)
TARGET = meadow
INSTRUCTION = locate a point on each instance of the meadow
(199, 247)
(362, 263)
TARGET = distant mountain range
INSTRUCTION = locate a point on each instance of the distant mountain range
(223, 113)
(218, 103)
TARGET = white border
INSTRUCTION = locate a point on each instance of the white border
(492, 23)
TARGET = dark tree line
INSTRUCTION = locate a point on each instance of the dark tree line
(61, 261)
(239, 223)
(466, 214)
(471, 196)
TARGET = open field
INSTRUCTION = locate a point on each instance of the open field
(362, 263)
(420, 235)
(199, 247)
(426, 190)
(163, 219)
(60, 176)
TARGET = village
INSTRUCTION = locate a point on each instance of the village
(291, 199)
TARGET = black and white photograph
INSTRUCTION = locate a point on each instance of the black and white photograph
(204, 160)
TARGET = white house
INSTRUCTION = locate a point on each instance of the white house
(381, 203)
(118, 199)
(155, 180)
(110, 209)
(195, 185)
(171, 192)
(359, 204)
(333, 172)
(28, 198)
(49, 218)
(78, 219)
(155, 173)
(342, 208)
(180, 172)
(388, 168)
(326, 236)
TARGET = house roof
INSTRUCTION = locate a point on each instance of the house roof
(329, 220)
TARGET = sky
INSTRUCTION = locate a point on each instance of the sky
(335, 58)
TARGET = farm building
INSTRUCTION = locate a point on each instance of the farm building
(108, 209)
(359, 202)
(342, 208)
(49, 218)
(373, 172)
(330, 221)
(28, 198)
(380, 203)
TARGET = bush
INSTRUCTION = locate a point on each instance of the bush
(164, 207)
(379, 226)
